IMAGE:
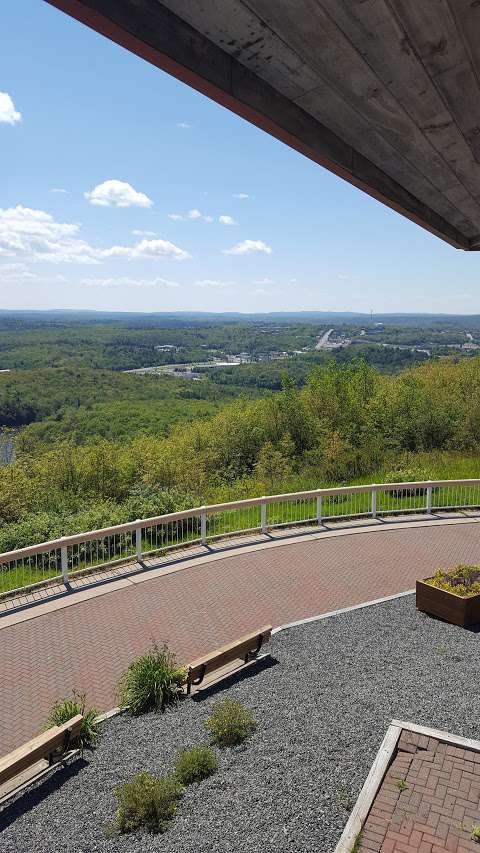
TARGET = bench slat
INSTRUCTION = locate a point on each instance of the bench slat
(39, 747)
(226, 654)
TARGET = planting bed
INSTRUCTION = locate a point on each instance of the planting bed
(322, 711)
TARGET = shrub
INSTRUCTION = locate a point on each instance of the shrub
(147, 801)
(195, 764)
(462, 580)
(65, 709)
(475, 836)
(151, 682)
(230, 723)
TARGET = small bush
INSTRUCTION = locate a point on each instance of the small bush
(195, 764)
(475, 836)
(151, 682)
(65, 709)
(230, 723)
(147, 801)
(461, 580)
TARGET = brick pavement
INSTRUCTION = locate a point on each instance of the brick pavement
(87, 645)
(428, 802)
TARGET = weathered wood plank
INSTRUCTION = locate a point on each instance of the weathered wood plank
(343, 68)
(433, 32)
(152, 31)
(39, 747)
(230, 651)
(378, 33)
(368, 793)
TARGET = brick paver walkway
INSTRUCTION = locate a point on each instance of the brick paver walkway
(428, 802)
(87, 645)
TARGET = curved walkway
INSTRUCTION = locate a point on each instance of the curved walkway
(85, 641)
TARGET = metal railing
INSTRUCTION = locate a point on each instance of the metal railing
(63, 560)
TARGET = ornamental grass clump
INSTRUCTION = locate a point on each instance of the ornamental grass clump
(194, 765)
(147, 801)
(230, 723)
(151, 682)
(461, 580)
(63, 711)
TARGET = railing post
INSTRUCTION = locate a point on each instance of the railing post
(138, 540)
(64, 562)
(263, 515)
(203, 525)
(429, 499)
(319, 510)
(374, 503)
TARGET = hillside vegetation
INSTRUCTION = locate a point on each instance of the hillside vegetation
(346, 423)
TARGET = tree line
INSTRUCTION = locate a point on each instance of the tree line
(347, 422)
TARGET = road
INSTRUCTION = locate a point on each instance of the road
(324, 340)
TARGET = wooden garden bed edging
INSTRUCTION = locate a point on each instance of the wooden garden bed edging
(380, 766)
(462, 610)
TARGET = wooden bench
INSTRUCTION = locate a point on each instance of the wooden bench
(246, 648)
(44, 746)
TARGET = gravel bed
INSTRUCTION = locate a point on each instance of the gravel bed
(322, 710)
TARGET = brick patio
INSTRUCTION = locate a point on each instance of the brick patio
(428, 802)
(88, 644)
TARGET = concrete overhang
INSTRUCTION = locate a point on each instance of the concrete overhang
(384, 93)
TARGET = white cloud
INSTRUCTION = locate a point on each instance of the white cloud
(193, 214)
(124, 281)
(265, 280)
(16, 272)
(241, 195)
(58, 190)
(347, 277)
(34, 235)
(8, 113)
(184, 125)
(20, 273)
(118, 194)
(262, 291)
(246, 247)
(147, 249)
(210, 282)
(139, 233)
(28, 235)
(226, 220)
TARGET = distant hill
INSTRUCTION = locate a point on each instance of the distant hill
(179, 319)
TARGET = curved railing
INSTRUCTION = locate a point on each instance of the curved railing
(63, 560)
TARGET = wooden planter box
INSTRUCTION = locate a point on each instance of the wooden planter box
(457, 609)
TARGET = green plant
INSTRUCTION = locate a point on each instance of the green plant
(461, 580)
(147, 801)
(151, 682)
(475, 836)
(401, 785)
(357, 843)
(63, 711)
(230, 723)
(195, 764)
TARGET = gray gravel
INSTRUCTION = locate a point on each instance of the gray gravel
(322, 710)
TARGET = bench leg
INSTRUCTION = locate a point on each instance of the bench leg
(197, 680)
(251, 655)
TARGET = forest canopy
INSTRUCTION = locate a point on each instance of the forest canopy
(345, 423)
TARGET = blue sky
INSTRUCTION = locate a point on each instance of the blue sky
(86, 126)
